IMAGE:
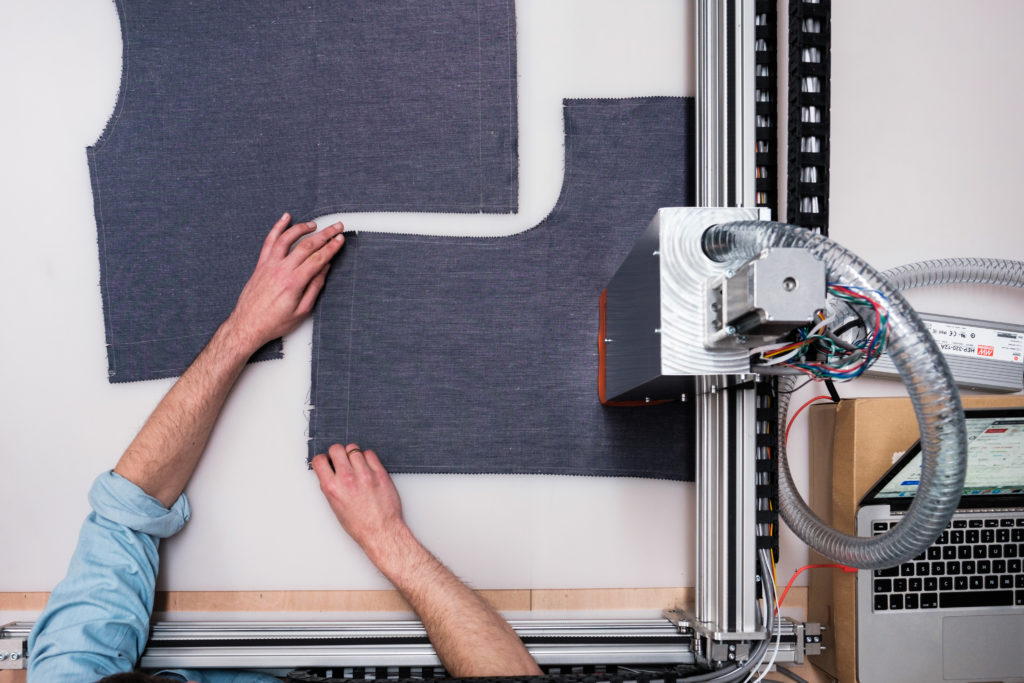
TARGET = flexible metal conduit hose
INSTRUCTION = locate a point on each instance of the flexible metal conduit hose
(932, 392)
(950, 271)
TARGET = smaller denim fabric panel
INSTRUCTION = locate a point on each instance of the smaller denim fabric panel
(210, 141)
(480, 355)
(96, 620)
(419, 106)
(231, 113)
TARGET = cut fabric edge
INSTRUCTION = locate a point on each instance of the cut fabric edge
(601, 474)
(122, 89)
(273, 350)
(568, 104)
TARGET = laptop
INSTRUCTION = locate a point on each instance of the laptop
(955, 612)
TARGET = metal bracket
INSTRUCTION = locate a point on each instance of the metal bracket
(812, 639)
(13, 653)
(798, 640)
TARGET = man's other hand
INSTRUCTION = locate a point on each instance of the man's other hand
(363, 498)
(286, 282)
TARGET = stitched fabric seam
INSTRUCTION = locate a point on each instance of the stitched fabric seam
(91, 156)
(351, 343)
(573, 147)
(510, 51)
(479, 110)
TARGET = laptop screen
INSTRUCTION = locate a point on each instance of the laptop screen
(995, 464)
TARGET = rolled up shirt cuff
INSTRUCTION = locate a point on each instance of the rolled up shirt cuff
(119, 500)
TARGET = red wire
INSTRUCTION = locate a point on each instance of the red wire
(798, 410)
(813, 566)
(878, 320)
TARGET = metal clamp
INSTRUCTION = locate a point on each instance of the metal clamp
(13, 653)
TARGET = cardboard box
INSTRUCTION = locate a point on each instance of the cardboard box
(852, 444)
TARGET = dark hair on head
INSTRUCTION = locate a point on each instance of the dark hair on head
(136, 677)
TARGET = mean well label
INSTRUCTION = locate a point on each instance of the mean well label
(978, 342)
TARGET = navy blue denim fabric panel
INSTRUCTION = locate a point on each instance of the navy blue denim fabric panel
(419, 95)
(230, 113)
(480, 355)
(206, 130)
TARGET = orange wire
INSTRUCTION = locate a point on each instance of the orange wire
(813, 566)
(809, 566)
(781, 350)
(798, 410)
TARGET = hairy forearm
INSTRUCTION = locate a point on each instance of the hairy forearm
(469, 636)
(278, 296)
(161, 458)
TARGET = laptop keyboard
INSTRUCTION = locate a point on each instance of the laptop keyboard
(975, 563)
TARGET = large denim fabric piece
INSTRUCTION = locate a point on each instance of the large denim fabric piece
(231, 113)
(480, 355)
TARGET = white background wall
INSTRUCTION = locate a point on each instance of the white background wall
(927, 158)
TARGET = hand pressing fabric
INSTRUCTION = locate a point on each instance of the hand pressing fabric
(81, 637)
(469, 636)
(286, 282)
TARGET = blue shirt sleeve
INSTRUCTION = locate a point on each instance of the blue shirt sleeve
(97, 619)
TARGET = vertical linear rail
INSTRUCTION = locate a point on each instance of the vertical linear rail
(726, 535)
(725, 103)
(726, 413)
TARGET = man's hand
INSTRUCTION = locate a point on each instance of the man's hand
(363, 498)
(280, 293)
(286, 282)
(470, 638)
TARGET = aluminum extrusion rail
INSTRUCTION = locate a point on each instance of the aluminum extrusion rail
(402, 643)
(281, 646)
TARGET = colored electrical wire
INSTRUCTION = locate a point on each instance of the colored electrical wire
(848, 570)
(821, 353)
(800, 409)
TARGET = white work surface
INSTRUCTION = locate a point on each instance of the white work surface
(927, 157)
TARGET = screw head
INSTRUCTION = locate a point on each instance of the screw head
(15, 656)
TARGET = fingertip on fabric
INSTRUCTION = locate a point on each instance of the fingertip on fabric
(313, 463)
